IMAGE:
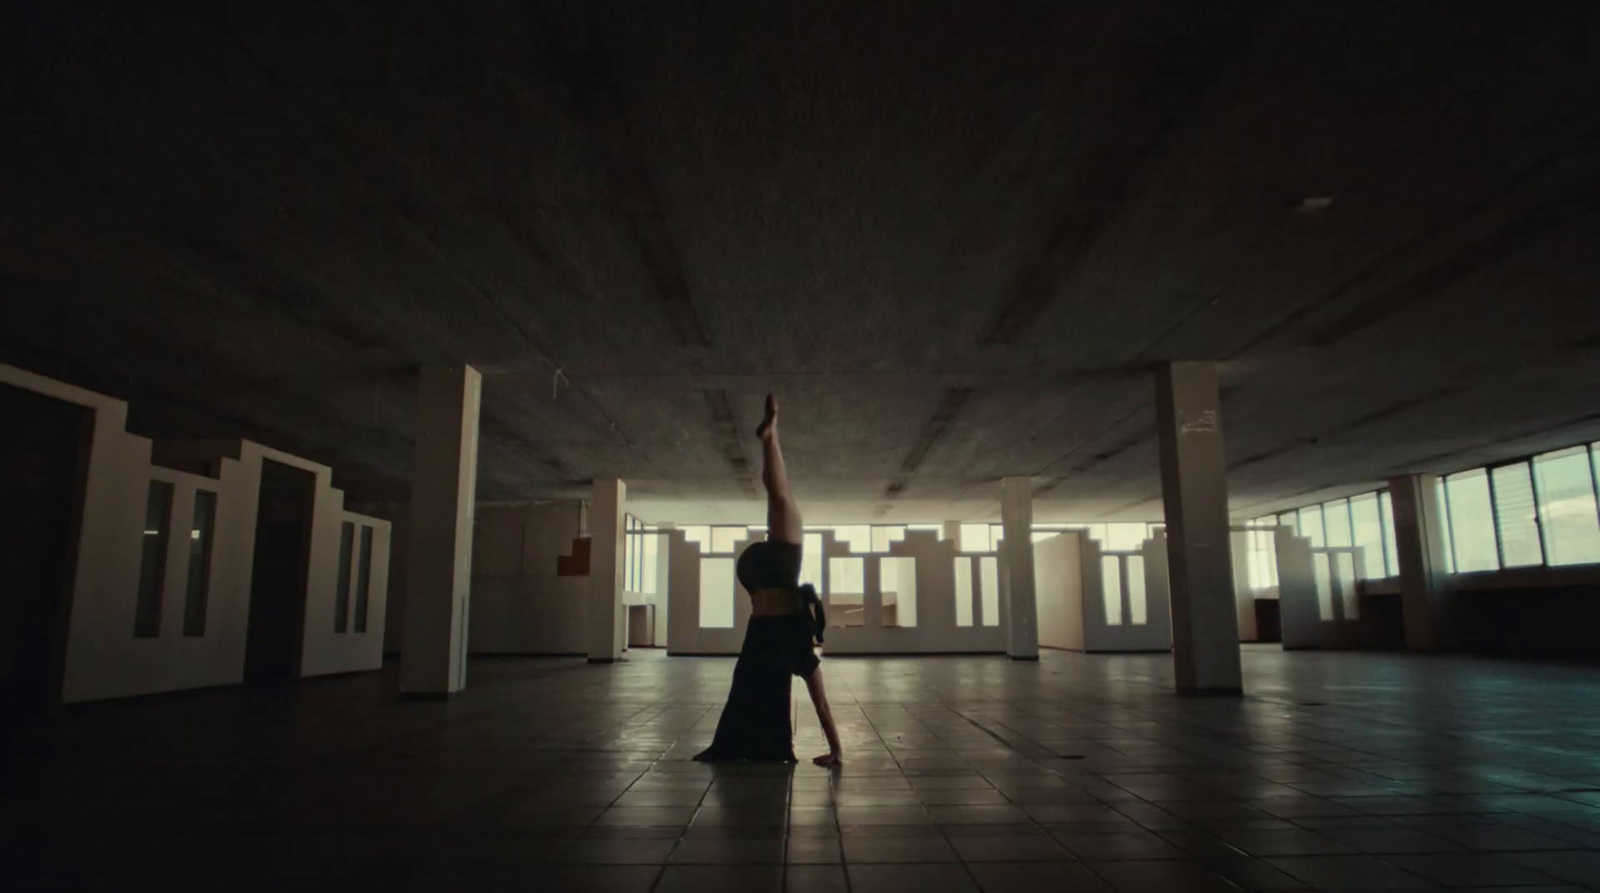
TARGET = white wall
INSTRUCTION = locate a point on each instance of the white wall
(935, 631)
(1058, 576)
(104, 658)
(1099, 633)
(519, 605)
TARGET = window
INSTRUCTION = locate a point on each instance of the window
(363, 572)
(857, 536)
(1515, 519)
(963, 591)
(1111, 588)
(811, 561)
(1336, 523)
(1366, 528)
(1311, 526)
(198, 590)
(1471, 521)
(1262, 548)
(1320, 570)
(716, 593)
(1290, 520)
(1345, 564)
(976, 538)
(1138, 609)
(989, 572)
(898, 582)
(1391, 548)
(1567, 514)
(847, 589)
(1444, 516)
(341, 588)
(153, 560)
(640, 557)
(1125, 537)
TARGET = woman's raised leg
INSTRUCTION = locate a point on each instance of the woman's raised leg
(783, 517)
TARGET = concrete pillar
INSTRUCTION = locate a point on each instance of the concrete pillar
(1022, 615)
(1424, 580)
(1194, 491)
(444, 481)
(606, 531)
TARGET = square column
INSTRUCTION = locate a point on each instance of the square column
(1194, 491)
(607, 527)
(1016, 553)
(444, 482)
(1424, 581)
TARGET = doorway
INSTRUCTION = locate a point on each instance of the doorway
(42, 459)
(278, 577)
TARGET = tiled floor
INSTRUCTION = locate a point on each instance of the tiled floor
(1339, 771)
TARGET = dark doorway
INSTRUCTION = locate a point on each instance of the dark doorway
(41, 475)
(278, 579)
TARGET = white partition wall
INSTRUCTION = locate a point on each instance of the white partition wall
(1319, 598)
(521, 604)
(1058, 578)
(182, 621)
(1297, 592)
(902, 597)
(1126, 602)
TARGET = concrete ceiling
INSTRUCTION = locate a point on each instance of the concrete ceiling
(953, 238)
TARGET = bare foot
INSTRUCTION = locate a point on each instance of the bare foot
(831, 758)
(769, 423)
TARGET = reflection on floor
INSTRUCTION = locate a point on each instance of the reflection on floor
(1340, 771)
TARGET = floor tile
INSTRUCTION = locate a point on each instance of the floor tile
(721, 879)
(1347, 873)
(951, 878)
(1572, 866)
(1035, 877)
(1469, 869)
(898, 849)
(814, 879)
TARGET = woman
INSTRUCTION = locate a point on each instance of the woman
(777, 643)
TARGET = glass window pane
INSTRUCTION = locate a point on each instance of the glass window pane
(1444, 515)
(363, 571)
(1567, 506)
(1311, 526)
(963, 591)
(1324, 577)
(1290, 520)
(341, 586)
(1345, 564)
(651, 552)
(153, 560)
(846, 592)
(199, 589)
(1336, 523)
(1138, 610)
(1111, 588)
(989, 571)
(1366, 525)
(899, 584)
(1125, 537)
(975, 538)
(1391, 549)
(1514, 516)
(1471, 521)
(811, 561)
(716, 593)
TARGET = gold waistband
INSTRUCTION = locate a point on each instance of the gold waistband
(774, 602)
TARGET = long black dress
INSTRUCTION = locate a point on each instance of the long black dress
(755, 723)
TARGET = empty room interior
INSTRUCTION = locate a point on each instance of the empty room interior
(672, 446)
